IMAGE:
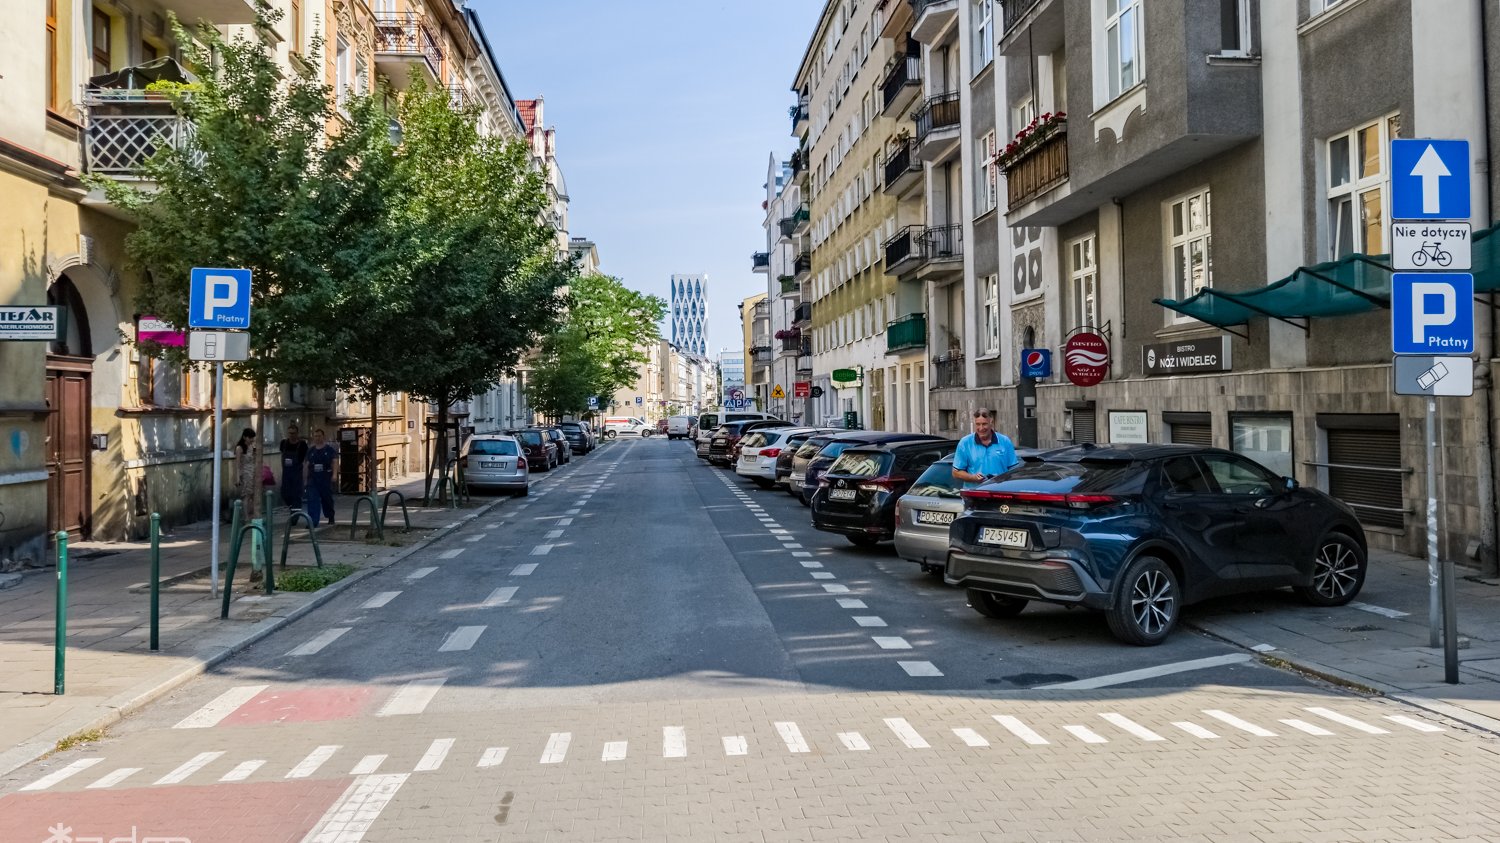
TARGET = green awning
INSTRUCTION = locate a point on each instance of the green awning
(1353, 284)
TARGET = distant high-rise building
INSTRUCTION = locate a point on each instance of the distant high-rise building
(688, 309)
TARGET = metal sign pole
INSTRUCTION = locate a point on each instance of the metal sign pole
(213, 559)
(1432, 526)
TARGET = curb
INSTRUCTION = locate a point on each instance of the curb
(128, 702)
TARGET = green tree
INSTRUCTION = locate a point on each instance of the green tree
(600, 348)
(468, 275)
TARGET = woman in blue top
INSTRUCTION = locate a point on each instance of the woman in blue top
(983, 453)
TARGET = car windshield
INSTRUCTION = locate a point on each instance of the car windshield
(1084, 476)
(708, 421)
(810, 448)
(753, 440)
(493, 448)
(861, 463)
(833, 449)
(530, 437)
(936, 482)
(571, 426)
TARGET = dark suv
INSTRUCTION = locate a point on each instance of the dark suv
(830, 449)
(541, 453)
(857, 495)
(1139, 531)
(580, 441)
(558, 438)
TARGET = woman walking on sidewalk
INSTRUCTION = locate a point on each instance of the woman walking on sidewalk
(322, 467)
(247, 473)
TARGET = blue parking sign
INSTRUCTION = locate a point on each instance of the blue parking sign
(1430, 179)
(219, 298)
(1432, 313)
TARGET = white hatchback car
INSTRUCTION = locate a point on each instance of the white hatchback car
(759, 451)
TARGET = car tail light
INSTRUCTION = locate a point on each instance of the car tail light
(884, 483)
(770, 452)
(1079, 501)
(520, 462)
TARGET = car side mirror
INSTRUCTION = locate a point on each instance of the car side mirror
(1290, 484)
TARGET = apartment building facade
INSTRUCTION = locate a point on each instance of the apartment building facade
(755, 334)
(98, 435)
(788, 350)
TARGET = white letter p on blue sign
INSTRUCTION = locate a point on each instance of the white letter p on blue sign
(1432, 313)
(219, 298)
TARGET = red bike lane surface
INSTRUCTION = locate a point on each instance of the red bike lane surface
(251, 812)
(310, 705)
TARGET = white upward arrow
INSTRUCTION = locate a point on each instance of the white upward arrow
(1430, 168)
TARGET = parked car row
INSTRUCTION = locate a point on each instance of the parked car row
(504, 461)
(1133, 531)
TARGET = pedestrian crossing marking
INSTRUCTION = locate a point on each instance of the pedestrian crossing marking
(318, 642)
(220, 707)
(971, 737)
(493, 757)
(1237, 723)
(368, 765)
(380, 599)
(854, 741)
(412, 698)
(1019, 729)
(1131, 726)
(673, 742)
(615, 751)
(1088, 735)
(1195, 730)
(1413, 723)
(243, 771)
(906, 733)
(557, 748)
(114, 778)
(1345, 720)
(1304, 726)
(919, 669)
(350, 817)
(792, 737)
(436, 753)
(189, 767)
(451, 554)
(463, 638)
(736, 745)
(313, 761)
(419, 573)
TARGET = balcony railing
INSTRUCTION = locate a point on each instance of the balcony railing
(939, 112)
(791, 345)
(760, 341)
(902, 247)
(760, 260)
(803, 313)
(903, 71)
(798, 113)
(1014, 10)
(910, 331)
(803, 264)
(801, 219)
(405, 34)
(787, 225)
(948, 372)
(123, 129)
(762, 355)
(805, 350)
(458, 97)
(789, 284)
(902, 160)
(1042, 168)
(943, 242)
(797, 163)
(762, 310)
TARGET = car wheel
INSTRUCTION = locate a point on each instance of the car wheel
(526, 492)
(993, 605)
(1338, 572)
(761, 482)
(863, 541)
(609, 434)
(1147, 603)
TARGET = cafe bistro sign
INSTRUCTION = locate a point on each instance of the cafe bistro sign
(40, 322)
(1186, 357)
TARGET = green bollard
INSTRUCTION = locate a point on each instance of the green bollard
(237, 511)
(264, 548)
(60, 658)
(269, 514)
(155, 582)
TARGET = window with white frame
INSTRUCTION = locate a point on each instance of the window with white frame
(1189, 245)
(985, 174)
(1234, 26)
(1123, 46)
(982, 17)
(1083, 283)
(344, 74)
(1022, 115)
(1359, 187)
(992, 314)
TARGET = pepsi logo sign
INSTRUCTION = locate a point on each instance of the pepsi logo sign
(1086, 358)
(1034, 358)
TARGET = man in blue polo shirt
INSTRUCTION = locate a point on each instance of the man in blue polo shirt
(983, 453)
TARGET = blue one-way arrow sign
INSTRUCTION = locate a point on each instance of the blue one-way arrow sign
(1430, 179)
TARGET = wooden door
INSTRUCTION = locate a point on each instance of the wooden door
(68, 391)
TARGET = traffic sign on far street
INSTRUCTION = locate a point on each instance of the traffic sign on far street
(1432, 313)
(1429, 180)
(1429, 375)
(219, 298)
(593, 402)
(778, 392)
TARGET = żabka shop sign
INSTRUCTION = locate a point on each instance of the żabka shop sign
(1086, 358)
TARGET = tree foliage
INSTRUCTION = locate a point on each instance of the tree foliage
(604, 340)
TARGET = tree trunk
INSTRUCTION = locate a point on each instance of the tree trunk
(443, 447)
(260, 462)
(374, 441)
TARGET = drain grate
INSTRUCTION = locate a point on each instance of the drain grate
(1362, 628)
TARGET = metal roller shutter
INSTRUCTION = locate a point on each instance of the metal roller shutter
(1193, 434)
(1365, 472)
(1085, 426)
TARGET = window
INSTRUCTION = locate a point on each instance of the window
(149, 52)
(1234, 26)
(1022, 115)
(1182, 476)
(1123, 45)
(1265, 439)
(1358, 187)
(361, 76)
(101, 42)
(985, 175)
(343, 78)
(52, 54)
(1238, 476)
(296, 20)
(982, 16)
(1083, 283)
(992, 315)
(1189, 245)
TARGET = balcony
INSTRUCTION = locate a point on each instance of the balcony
(934, 18)
(801, 220)
(789, 285)
(791, 345)
(802, 265)
(458, 96)
(787, 225)
(1014, 11)
(761, 356)
(948, 372)
(124, 128)
(803, 313)
(798, 113)
(1032, 27)
(938, 128)
(903, 170)
(902, 83)
(903, 251)
(942, 252)
(1038, 170)
(797, 163)
(762, 310)
(404, 41)
(907, 333)
(760, 261)
(760, 341)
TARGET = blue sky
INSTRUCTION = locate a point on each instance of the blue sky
(665, 113)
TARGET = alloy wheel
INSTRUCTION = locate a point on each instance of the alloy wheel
(1152, 602)
(1336, 570)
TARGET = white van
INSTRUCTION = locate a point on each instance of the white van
(625, 426)
(680, 427)
(709, 422)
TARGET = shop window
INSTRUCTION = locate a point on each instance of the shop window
(1265, 439)
(1189, 428)
(1362, 465)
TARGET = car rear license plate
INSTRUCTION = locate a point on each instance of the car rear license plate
(841, 494)
(1003, 537)
(932, 516)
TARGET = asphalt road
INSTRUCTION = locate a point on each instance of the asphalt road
(650, 648)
